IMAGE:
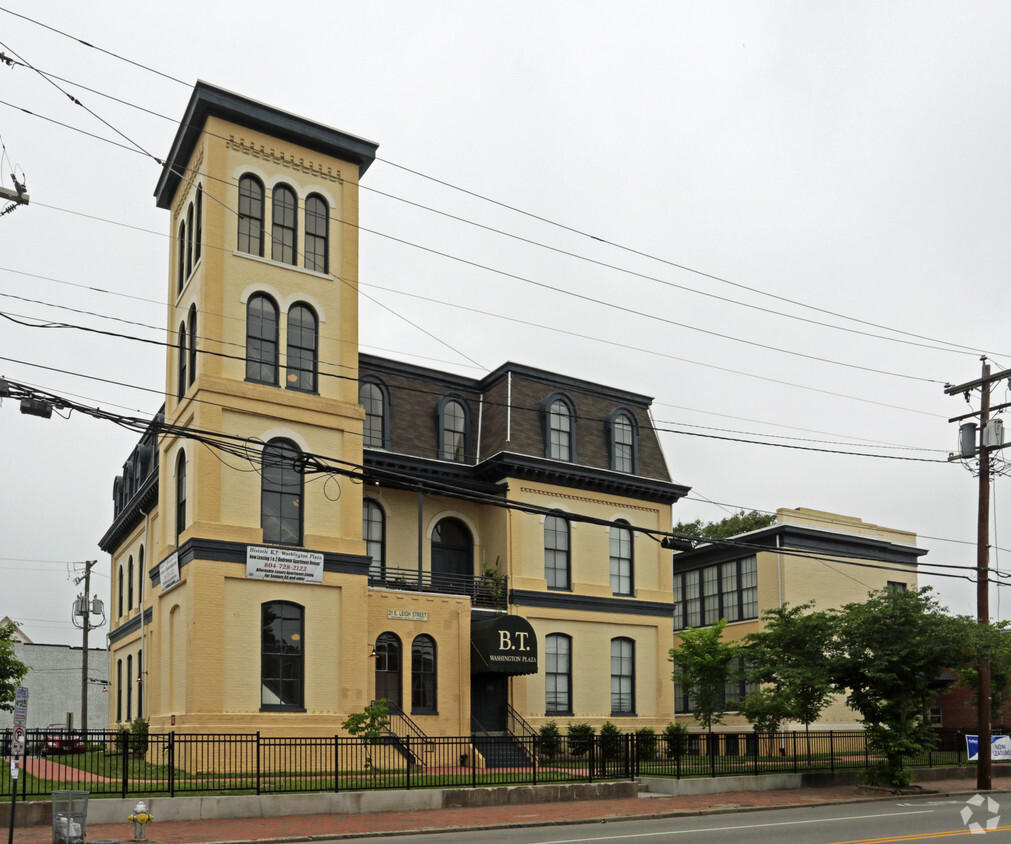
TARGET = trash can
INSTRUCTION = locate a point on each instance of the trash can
(70, 814)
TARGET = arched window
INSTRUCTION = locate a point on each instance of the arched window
(556, 552)
(140, 576)
(189, 240)
(180, 495)
(557, 674)
(423, 675)
(140, 684)
(621, 559)
(281, 493)
(623, 431)
(452, 557)
(374, 534)
(198, 235)
(622, 676)
(282, 645)
(183, 354)
(119, 690)
(453, 430)
(317, 224)
(251, 215)
(129, 584)
(261, 339)
(119, 601)
(182, 256)
(389, 669)
(374, 398)
(284, 211)
(193, 343)
(559, 428)
(301, 349)
(129, 688)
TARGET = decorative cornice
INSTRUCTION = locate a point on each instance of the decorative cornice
(132, 626)
(286, 160)
(144, 499)
(589, 603)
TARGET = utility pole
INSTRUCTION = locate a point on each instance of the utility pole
(989, 440)
(83, 609)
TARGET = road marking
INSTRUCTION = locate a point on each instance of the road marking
(922, 836)
(737, 828)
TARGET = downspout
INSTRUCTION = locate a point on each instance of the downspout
(480, 421)
(509, 407)
(421, 533)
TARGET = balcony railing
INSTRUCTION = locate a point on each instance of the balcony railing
(487, 591)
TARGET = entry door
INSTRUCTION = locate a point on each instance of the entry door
(452, 557)
(489, 694)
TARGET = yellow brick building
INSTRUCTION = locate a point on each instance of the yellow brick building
(482, 552)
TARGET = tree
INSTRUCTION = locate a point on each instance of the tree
(12, 669)
(888, 654)
(369, 725)
(791, 653)
(740, 522)
(991, 641)
(702, 666)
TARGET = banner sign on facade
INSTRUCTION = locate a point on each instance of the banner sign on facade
(168, 571)
(1000, 748)
(503, 645)
(289, 564)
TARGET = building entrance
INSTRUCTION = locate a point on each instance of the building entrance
(489, 696)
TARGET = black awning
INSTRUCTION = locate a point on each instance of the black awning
(503, 645)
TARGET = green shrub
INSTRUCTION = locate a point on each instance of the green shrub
(645, 742)
(675, 739)
(580, 738)
(610, 741)
(551, 741)
(138, 736)
(886, 775)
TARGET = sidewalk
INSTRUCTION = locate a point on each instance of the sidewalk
(314, 827)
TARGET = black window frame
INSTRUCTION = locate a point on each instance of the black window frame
(737, 593)
(316, 219)
(119, 691)
(424, 681)
(193, 344)
(369, 438)
(553, 446)
(284, 225)
(389, 646)
(558, 555)
(262, 346)
(553, 705)
(180, 495)
(198, 235)
(621, 695)
(624, 457)
(374, 544)
(249, 235)
(302, 348)
(460, 452)
(189, 240)
(282, 490)
(620, 528)
(129, 688)
(129, 584)
(290, 662)
(181, 256)
(183, 354)
(119, 604)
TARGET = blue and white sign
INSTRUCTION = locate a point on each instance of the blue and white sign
(1000, 748)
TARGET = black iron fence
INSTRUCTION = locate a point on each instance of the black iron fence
(113, 763)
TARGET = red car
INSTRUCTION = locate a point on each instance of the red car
(61, 740)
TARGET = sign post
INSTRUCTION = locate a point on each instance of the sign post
(17, 748)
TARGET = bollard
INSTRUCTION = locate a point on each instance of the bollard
(140, 817)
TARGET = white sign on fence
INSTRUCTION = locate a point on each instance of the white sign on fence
(1000, 748)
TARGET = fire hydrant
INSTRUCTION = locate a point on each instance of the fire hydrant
(140, 817)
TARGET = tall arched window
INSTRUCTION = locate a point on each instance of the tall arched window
(374, 400)
(557, 674)
(452, 557)
(389, 669)
(282, 647)
(140, 684)
(183, 355)
(119, 601)
(129, 688)
(180, 495)
(189, 240)
(423, 675)
(374, 534)
(281, 493)
(622, 431)
(621, 559)
(251, 216)
(301, 349)
(182, 255)
(140, 577)
(622, 676)
(119, 691)
(261, 339)
(129, 584)
(198, 235)
(193, 343)
(317, 225)
(556, 552)
(453, 430)
(284, 211)
(559, 429)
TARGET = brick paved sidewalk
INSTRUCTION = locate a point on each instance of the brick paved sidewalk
(309, 827)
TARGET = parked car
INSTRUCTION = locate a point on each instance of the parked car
(59, 739)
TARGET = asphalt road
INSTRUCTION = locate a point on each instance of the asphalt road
(904, 819)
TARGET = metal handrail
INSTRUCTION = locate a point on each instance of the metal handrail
(521, 722)
(490, 591)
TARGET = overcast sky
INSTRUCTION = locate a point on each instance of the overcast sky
(802, 209)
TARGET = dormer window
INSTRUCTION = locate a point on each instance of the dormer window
(559, 429)
(453, 430)
(622, 434)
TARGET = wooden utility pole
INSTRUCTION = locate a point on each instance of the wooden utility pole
(84, 611)
(984, 766)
